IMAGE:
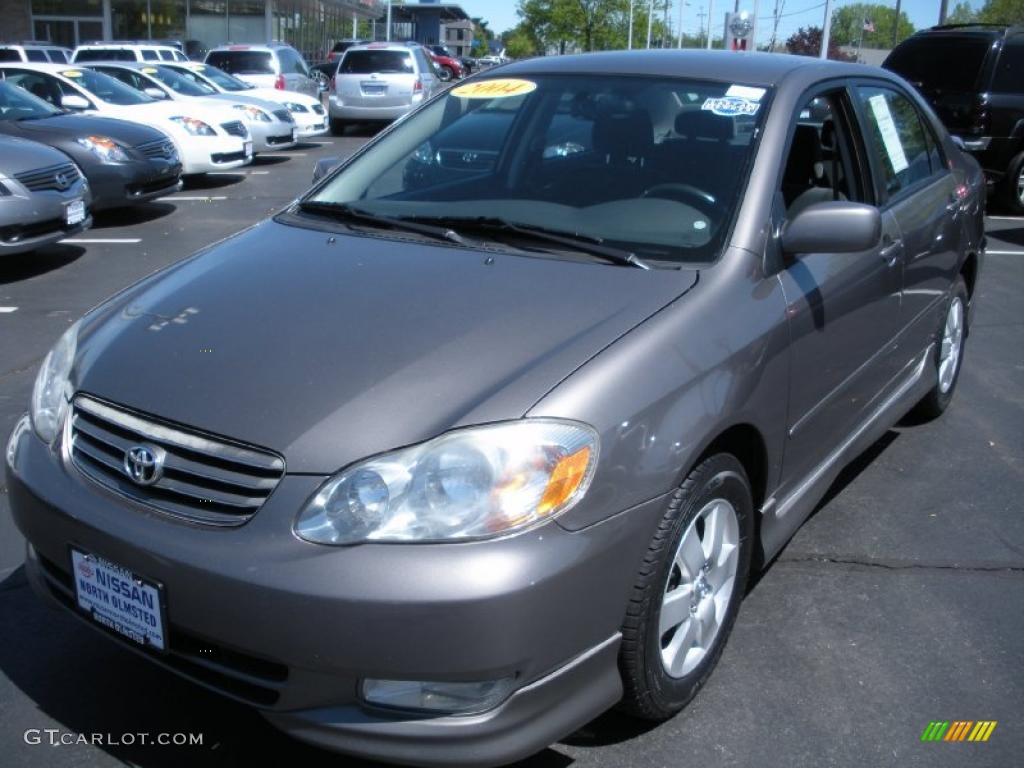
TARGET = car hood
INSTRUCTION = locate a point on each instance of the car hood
(279, 97)
(330, 348)
(77, 126)
(160, 112)
(17, 155)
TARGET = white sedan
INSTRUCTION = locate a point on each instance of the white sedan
(308, 112)
(207, 137)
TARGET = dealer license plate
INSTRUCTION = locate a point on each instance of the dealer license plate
(74, 213)
(118, 599)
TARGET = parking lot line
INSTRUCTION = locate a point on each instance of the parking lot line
(7, 310)
(237, 173)
(1005, 218)
(105, 240)
(990, 252)
(203, 198)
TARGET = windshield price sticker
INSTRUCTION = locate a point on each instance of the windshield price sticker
(72, 73)
(745, 92)
(502, 88)
(730, 106)
(890, 136)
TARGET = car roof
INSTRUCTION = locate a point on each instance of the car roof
(251, 47)
(40, 66)
(379, 47)
(763, 69)
(126, 44)
(136, 65)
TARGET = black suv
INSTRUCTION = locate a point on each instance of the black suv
(973, 75)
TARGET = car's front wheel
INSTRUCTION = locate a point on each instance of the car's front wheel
(1014, 192)
(338, 126)
(688, 590)
(949, 355)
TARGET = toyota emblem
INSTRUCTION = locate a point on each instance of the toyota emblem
(144, 464)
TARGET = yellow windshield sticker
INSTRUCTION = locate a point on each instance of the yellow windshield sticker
(72, 73)
(150, 70)
(501, 88)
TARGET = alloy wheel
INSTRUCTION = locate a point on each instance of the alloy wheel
(952, 344)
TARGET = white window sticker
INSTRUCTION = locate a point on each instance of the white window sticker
(890, 136)
(730, 106)
(745, 92)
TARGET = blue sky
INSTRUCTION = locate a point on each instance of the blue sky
(501, 14)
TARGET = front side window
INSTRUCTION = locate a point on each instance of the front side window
(654, 166)
(896, 138)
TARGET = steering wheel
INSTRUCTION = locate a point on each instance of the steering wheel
(684, 193)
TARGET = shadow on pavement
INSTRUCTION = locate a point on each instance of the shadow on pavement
(81, 682)
(1013, 236)
(206, 181)
(275, 159)
(22, 266)
(138, 214)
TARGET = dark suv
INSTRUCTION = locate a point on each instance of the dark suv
(973, 75)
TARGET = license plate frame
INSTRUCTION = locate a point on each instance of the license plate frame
(133, 630)
(74, 212)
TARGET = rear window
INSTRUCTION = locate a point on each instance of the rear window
(941, 62)
(243, 62)
(382, 62)
(104, 54)
(8, 54)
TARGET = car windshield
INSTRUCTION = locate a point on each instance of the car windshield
(222, 79)
(179, 83)
(243, 62)
(18, 104)
(919, 61)
(650, 165)
(365, 62)
(106, 88)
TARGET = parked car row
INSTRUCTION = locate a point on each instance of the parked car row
(121, 132)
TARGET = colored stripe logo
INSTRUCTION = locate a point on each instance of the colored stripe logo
(958, 730)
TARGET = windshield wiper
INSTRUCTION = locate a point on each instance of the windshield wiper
(571, 240)
(346, 212)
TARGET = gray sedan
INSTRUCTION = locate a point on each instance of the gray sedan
(475, 441)
(43, 196)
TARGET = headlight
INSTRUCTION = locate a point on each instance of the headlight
(50, 395)
(294, 106)
(253, 113)
(107, 150)
(471, 483)
(194, 126)
(4, 191)
(425, 154)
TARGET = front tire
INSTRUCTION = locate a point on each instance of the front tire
(1014, 185)
(687, 593)
(338, 126)
(949, 355)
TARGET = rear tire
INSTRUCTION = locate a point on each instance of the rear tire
(688, 590)
(338, 126)
(949, 355)
(1013, 193)
(446, 73)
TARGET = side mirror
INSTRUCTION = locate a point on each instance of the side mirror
(833, 227)
(324, 166)
(153, 92)
(74, 101)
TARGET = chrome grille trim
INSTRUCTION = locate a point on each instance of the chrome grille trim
(161, 148)
(205, 479)
(284, 115)
(236, 128)
(46, 178)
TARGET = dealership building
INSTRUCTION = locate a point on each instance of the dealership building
(309, 25)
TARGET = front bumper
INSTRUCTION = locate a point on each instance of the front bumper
(28, 223)
(310, 124)
(122, 184)
(359, 112)
(272, 136)
(292, 628)
(202, 154)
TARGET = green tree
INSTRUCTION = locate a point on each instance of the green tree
(962, 13)
(806, 41)
(848, 25)
(1002, 12)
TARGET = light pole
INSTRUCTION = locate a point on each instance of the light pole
(679, 42)
(629, 42)
(711, 13)
(826, 30)
(650, 22)
(387, 32)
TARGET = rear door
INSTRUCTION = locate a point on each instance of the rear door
(296, 73)
(915, 185)
(373, 77)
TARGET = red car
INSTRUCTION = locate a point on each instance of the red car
(449, 68)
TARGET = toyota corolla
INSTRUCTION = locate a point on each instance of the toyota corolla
(436, 466)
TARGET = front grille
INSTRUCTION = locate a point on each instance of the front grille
(227, 157)
(467, 159)
(318, 108)
(232, 672)
(275, 140)
(55, 177)
(236, 128)
(205, 479)
(284, 115)
(161, 149)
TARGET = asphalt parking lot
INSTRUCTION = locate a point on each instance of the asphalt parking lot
(900, 602)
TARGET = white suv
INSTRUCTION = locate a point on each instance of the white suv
(126, 50)
(276, 65)
(37, 52)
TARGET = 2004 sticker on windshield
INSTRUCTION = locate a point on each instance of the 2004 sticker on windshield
(501, 88)
(730, 106)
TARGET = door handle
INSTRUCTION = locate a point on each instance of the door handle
(890, 253)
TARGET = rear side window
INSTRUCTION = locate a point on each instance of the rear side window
(243, 62)
(57, 56)
(381, 62)
(1009, 75)
(941, 62)
(421, 61)
(897, 138)
(291, 62)
(166, 56)
(34, 54)
(148, 55)
(104, 54)
(7, 54)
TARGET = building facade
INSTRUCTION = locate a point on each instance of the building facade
(312, 26)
